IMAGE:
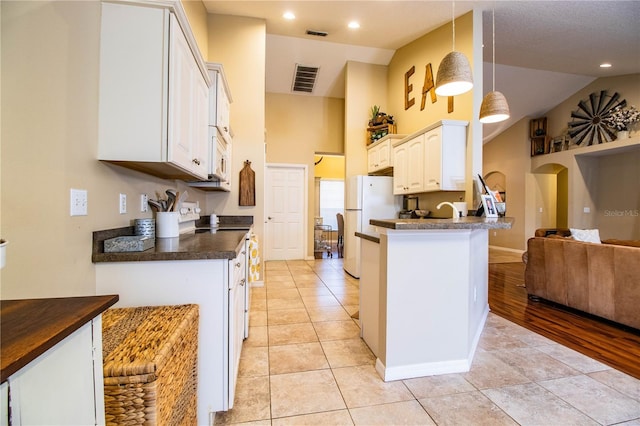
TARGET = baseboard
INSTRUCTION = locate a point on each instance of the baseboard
(389, 374)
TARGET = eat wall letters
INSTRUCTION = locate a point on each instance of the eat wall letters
(427, 87)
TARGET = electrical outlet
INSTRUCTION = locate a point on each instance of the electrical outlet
(78, 202)
(123, 203)
(144, 203)
(586, 210)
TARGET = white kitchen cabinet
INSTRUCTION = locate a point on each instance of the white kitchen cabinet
(219, 100)
(64, 385)
(380, 153)
(408, 166)
(4, 404)
(432, 159)
(153, 98)
(379, 156)
(217, 287)
(445, 158)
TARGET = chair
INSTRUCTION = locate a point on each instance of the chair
(340, 220)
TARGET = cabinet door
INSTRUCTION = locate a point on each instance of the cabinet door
(400, 169)
(433, 160)
(181, 87)
(36, 394)
(415, 165)
(200, 161)
(373, 155)
(222, 108)
(384, 155)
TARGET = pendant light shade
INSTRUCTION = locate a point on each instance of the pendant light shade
(454, 75)
(494, 108)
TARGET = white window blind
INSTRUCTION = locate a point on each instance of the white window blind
(331, 201)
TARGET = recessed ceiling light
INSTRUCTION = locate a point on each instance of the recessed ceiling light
(289, 16)
(354, 25)
(605, 65)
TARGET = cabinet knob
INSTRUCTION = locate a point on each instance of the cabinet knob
(238, 265)
(196, 161)
(242, 281)
(226, 129)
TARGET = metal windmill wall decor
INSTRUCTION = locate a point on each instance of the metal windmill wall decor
(587, 125)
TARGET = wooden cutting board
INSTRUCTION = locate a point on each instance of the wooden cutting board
(247, 185)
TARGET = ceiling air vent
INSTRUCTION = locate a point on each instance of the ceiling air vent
(304, 78)
(317, 33)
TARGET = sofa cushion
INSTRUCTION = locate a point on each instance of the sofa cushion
(586, 235)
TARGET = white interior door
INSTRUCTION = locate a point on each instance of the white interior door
(286, 211)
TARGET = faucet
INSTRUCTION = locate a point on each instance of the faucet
(456, 213)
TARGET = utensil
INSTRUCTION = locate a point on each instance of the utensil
(181, 197)
(156, 205)
(172, 195)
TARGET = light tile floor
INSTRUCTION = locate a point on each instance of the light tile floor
(305, 364)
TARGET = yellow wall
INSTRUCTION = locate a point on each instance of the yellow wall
(297, 127)
(430, 48)
(198, 17)
(365, 85)
(303, 124)
(50, 59)
(228, 37)
(331, 167)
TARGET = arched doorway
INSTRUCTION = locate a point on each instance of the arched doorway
(552, 196)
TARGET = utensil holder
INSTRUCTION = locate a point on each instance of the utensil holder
(167, 225)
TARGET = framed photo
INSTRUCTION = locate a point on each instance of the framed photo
(488, 206)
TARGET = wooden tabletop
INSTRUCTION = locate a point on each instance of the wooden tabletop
(29, 327)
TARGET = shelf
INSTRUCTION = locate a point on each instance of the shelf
(375, 133)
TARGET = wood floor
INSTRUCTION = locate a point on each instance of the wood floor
(598, 339)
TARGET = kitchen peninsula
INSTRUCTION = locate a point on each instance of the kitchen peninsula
(424, 293)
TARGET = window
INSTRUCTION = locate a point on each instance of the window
(331, 201)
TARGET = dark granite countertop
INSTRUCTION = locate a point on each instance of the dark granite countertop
(223, 244)
(32, 326)
(467, 222)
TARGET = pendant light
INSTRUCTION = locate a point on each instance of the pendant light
(454, 73)
(494, 106)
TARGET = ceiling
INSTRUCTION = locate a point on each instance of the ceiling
(554, 47)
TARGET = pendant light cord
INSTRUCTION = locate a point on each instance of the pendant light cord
(453, 21)
(493, 18)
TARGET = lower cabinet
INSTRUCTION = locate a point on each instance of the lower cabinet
(63, 386)
(218, 287)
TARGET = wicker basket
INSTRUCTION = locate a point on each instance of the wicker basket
(150, 365)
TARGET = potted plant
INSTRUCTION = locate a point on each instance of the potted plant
(621, 119)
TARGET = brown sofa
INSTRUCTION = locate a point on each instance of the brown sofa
(600, 279)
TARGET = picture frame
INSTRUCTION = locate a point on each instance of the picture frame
(489, 206)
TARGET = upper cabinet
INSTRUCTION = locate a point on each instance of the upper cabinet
(219, 100)
(220, 135)
(432, 159)
(408, 168)
(153, 94)
(380, 154)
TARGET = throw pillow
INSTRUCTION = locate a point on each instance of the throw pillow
(586, 235)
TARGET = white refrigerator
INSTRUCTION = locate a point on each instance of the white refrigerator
(368, 197)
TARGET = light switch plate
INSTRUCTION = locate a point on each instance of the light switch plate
(79, 204)
(123, 203)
